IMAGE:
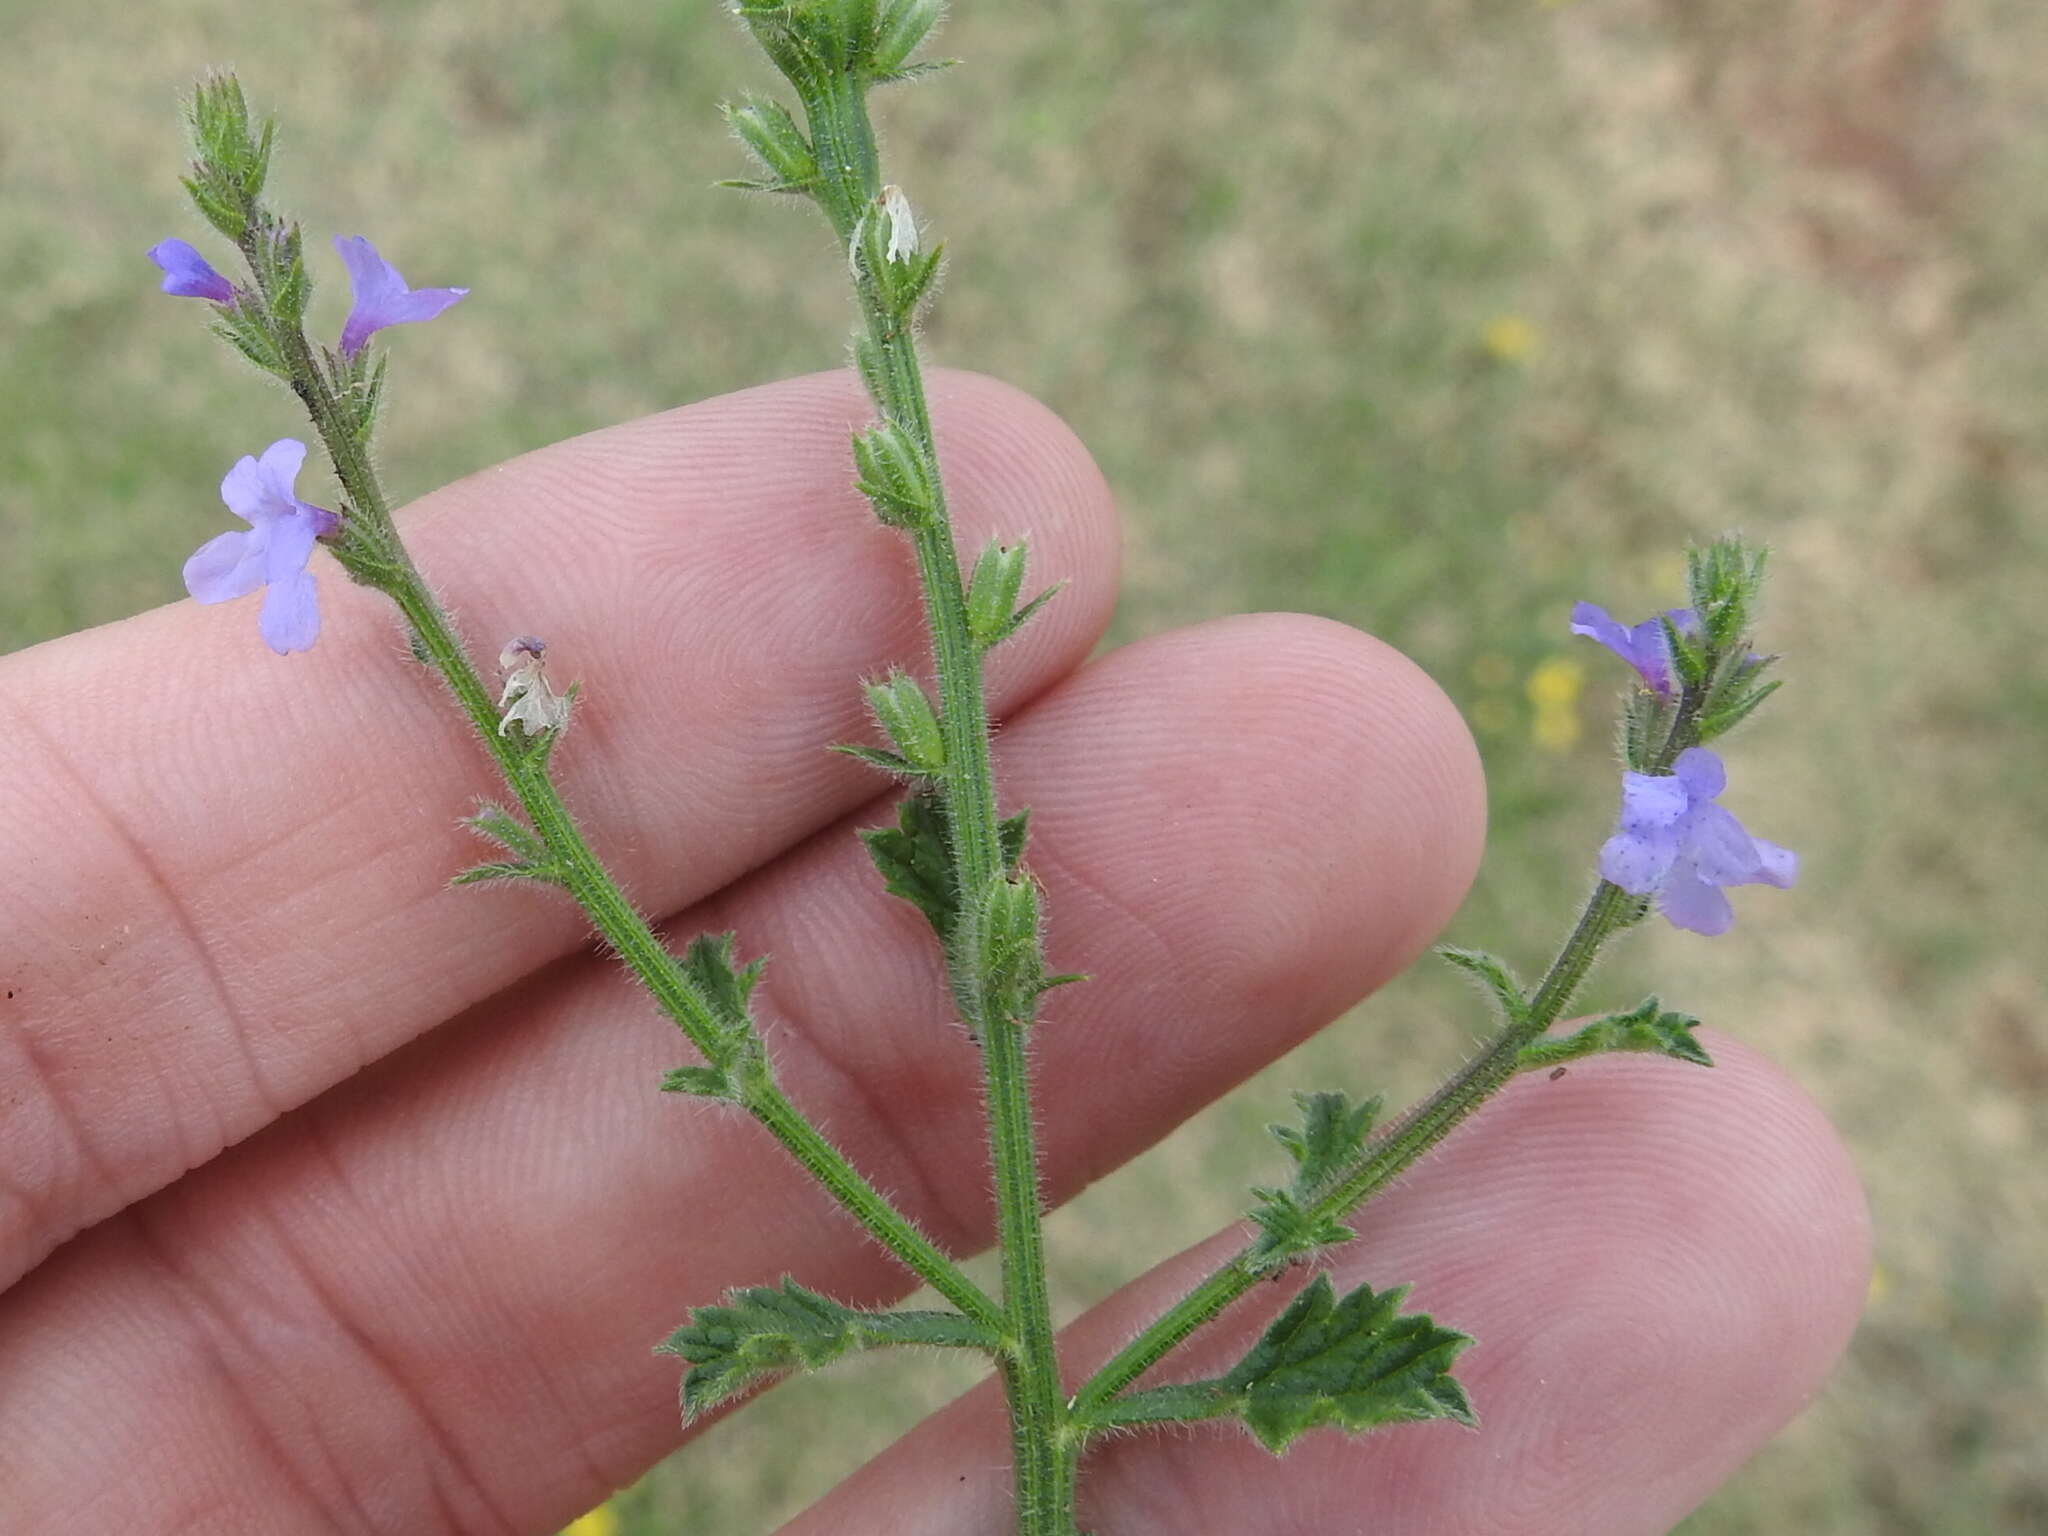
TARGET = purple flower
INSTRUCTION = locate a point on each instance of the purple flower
(1675, 844)
(272, 553)
(1642, 647)
(381, 297)
(187, 274)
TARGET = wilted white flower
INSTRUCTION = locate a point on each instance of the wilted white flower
(528, 701)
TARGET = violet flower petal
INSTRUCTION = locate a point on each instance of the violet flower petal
(1774, 865)
(1693, 903)
(1641, 646)
(187, 274)
(1652, 803)
(228, 565)
(1638, 863)
(1701, 772)
(381, 296)
(1723, 853)
(290, 620)
(260, 491)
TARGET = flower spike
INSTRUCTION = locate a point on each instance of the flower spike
(381, 296)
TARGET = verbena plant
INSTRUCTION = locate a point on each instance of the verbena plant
(1352, 1362)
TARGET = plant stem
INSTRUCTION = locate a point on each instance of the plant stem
(1387, 1156)
(388, 566)
(843, 141)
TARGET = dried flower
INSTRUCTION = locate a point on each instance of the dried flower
(527, 700)
(381, 296)
(902, 223)
(1674, 843)
(273, 551)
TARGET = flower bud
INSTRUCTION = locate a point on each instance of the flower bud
(906, 718)
(903, 25)
(767, 129)
(893, 476)
(1012, 968)
(992, 592)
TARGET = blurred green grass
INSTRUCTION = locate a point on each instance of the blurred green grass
(1430, 319)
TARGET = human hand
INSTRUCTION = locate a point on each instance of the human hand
(332, 1199)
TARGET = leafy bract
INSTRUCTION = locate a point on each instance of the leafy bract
(1329, 1140)
(1646, 1027)
(760, 1331)
(916, 862)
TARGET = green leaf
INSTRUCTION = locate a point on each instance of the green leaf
(760, 1331)
(912, 72)
(1027, 613)
(477, 874)
(1645, 1027)
(1357, 1363)
(708, 966)
(1010, 833)
(889, 762)
(1719, 722)
(1331, 1136)
(708, 962)
(1330, 1139)
(916, 860)
(1288, 1229)
(704, 1082)
(500, 826)
(1493, 974)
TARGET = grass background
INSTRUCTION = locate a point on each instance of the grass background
(1431, 317)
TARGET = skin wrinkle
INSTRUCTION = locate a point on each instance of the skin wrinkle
(209, 1321)
(181, 921)
(449, 1456)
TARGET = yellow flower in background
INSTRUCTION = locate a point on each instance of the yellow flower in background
(601, 1521)
(1510, 338)
(1554, 689)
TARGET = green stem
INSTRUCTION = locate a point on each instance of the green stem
(1607, 911)
(843, 141)
(1389, 1154)
(380, 556)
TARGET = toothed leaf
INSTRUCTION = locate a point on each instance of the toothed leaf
(1646, 1027)
(1330, 1137)
(761, 1331)
(1353, 1364)
(1357, 1363)
(916, 861)
(709, 963)
(1493, 974)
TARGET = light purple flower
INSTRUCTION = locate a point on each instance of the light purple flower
(273, 551)
(1675, 844)
(381, 297)
(1642, 646)
(187, 274)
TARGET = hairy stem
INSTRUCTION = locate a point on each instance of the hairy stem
(381, 558)
(1387, 1156)
(850, 183)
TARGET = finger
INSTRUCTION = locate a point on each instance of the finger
(236, 866)
(1660, 1266)
(435, 1288)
